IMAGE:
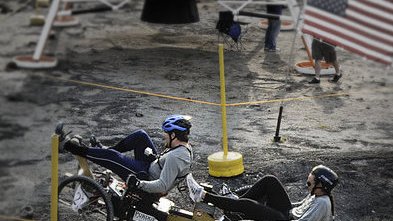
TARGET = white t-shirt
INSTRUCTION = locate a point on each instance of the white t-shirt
(313, 208)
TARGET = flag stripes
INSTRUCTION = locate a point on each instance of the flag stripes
(364, 27)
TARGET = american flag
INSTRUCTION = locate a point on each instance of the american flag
(364, 27)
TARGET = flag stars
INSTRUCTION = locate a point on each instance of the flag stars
(332, 6)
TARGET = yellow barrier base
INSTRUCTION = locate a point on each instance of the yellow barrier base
(229, 165)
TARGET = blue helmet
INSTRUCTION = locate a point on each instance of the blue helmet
(176, 123)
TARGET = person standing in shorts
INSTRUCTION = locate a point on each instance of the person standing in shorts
(321, 50)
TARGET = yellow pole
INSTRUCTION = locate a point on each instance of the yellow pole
(223, 100)
(224, 163)
(55, 177)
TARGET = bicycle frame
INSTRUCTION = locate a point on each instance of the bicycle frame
(201, 212)
(84, 167)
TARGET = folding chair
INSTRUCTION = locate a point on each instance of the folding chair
(229, 31)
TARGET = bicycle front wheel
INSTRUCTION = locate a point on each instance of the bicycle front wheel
(82, 198)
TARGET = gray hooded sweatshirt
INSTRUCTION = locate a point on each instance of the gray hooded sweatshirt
(166, 171)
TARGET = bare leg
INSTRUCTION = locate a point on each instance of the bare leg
(336, 67)
(317, 68)
(337, 75)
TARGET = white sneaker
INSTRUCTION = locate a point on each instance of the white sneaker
(226, 191)
(196, 191)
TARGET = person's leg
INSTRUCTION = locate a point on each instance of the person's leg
(276, 26)
(268, 35)
(116, 161)
(317, 55)
(338, 74)
(271, 190)
(137, 141)
(250, 208)
(336, 67)
(334, 62)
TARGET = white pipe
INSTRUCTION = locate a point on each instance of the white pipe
(45, 31)
(255, 2)
(64, 13)
(106, 2)
(292, 5)
(121, 4)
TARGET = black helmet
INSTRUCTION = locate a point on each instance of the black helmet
(327, 177)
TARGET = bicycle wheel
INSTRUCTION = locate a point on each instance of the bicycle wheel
(82, 198)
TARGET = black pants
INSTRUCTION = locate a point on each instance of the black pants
(265, 200)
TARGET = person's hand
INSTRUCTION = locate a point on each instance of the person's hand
(132, 181)
(150, 156)
(148, 151)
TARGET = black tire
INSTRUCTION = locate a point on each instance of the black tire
(98, 208)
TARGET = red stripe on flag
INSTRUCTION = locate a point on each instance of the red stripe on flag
(369, 25)
(368, 14)
(348, 27)
(350, 39)
(377, 6)
(346, 47)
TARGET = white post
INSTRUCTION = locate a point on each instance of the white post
(45, 31)
(294, 9)
(234, 7)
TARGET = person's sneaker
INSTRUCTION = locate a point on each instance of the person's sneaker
(76, 146)
(94, 142)
(226, 191)
(196, 191)
(70, 143)
(63, 136)
(271, 49)
(314, 81)
(335, 78)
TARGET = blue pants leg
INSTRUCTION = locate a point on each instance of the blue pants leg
(117, 162)
(273, 29)
(137, 141)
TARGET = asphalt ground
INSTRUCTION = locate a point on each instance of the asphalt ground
(117, 74)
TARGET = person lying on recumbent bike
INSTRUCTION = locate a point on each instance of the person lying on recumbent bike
(164, 171)
(268, 200)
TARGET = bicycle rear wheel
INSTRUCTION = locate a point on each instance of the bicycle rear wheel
(82, 198)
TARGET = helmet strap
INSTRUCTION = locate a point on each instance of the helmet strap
(171, 139)
(313, 189)
(316, 187)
